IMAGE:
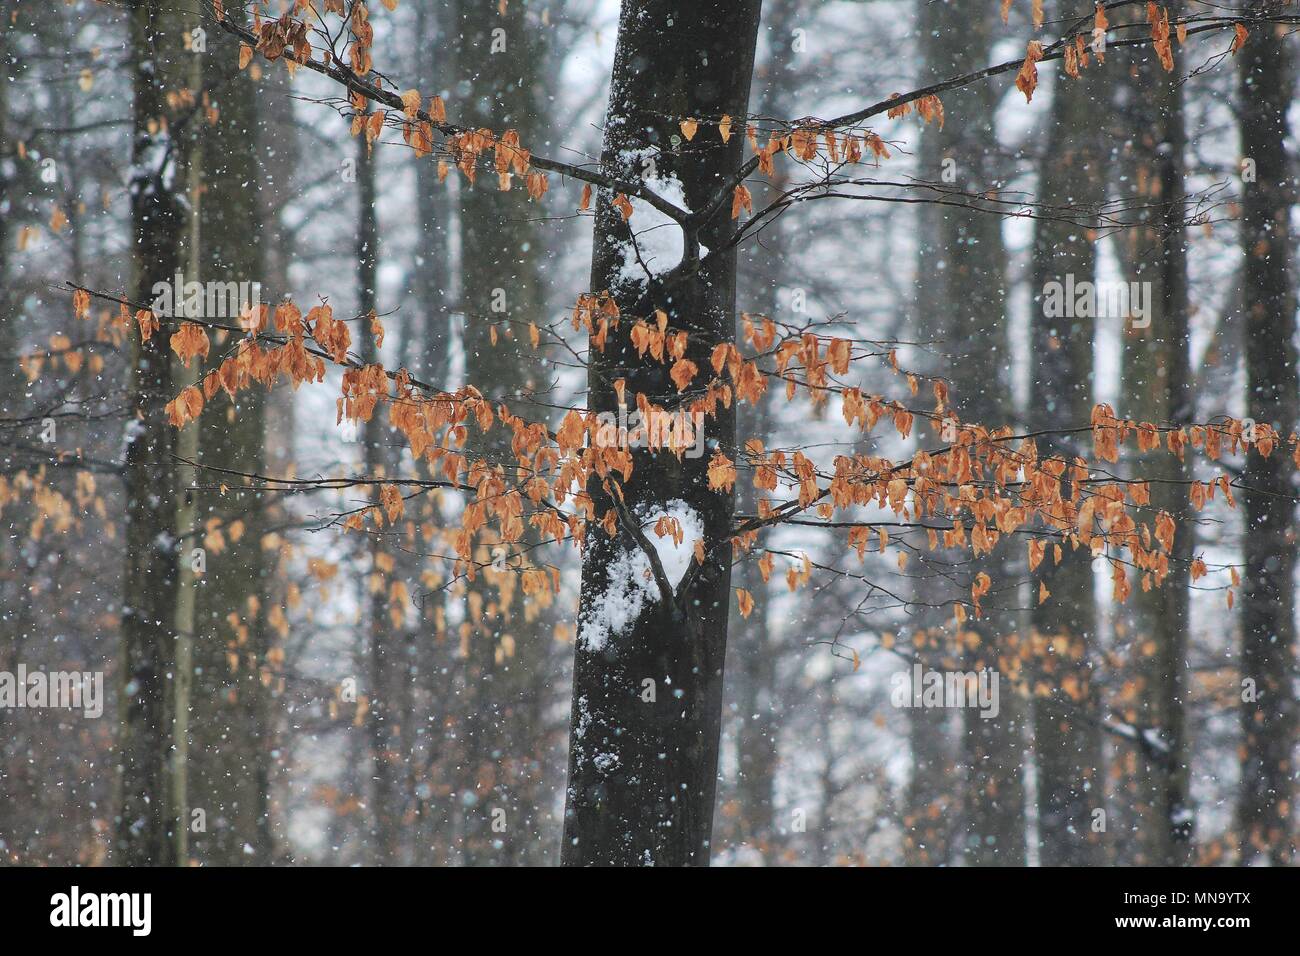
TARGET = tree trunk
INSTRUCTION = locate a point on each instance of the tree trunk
(145, 822)
(435, 212)
(754, 683)
(1268, 716)
(751, 690)
(931, 797)
(971, 258)
(231, 736)
(8, 151)
(642, 771)
(1067, 749)
(504, 641)
(381, 640)
(1155, 377)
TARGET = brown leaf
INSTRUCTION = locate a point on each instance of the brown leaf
(683, 373)
(1238, 41)
(741, 199)
(745, 601)
(411, 103)
(1027, 78)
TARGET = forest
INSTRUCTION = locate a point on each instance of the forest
(515, 433)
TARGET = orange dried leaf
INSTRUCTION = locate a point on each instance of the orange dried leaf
(741, 199)
(722, 472)
(745, 601)
(1238, 40)
(683, 373)
(411, 103)
(1027, 78)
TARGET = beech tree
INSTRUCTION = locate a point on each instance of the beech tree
(662, 476)
(1267, 82)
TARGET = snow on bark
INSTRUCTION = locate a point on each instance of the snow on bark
(632, 586)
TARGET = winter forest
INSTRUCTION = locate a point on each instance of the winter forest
(667, 432)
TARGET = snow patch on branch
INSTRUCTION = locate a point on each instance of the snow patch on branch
(660, 243)
(632, 587)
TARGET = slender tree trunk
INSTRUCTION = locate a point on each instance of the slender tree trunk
(751, 686)
(8, 340)
(429, 653)
(642, 773)
(11, 584)
(143, 834)
(500, 53)
(232, 751)
(1067, 748)
(383, 716)
(1268, 716)
(969, 266)
(932, 794)
(187, 448)
(754, 677)
(279, 153)
(1155, 375)
(434, 209)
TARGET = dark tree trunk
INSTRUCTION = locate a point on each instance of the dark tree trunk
(931, 797)
(1067, 748)
(753, 681)
(968, 269)
(502, 291)
(1155, 367)
(230, 750)
(435, 212)
(1268, 717)
(8, 150)
(642, 774)
(751, 692)
(144, 824)
(381, 660)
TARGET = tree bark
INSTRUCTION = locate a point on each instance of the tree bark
(642, 774)
(751, 687)
(230, 727)
(1067, 748)
(1268, 716)
(968, 269)
(436, 216)
(500, 53)
(144, 821)
(381, 641)
(1155, 370)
